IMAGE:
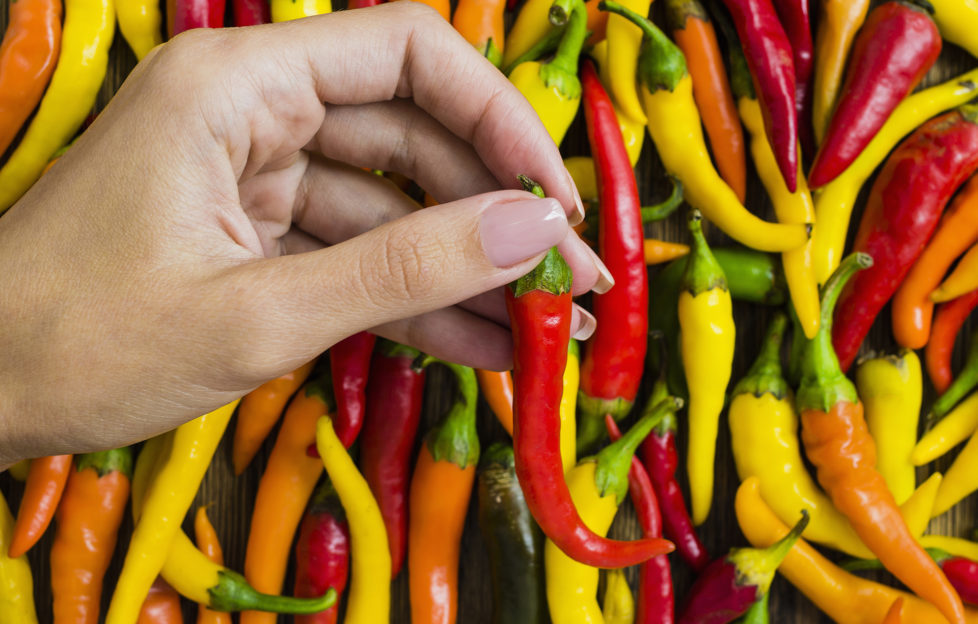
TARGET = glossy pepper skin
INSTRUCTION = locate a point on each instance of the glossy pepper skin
(838, 23)
(322, 552)
(632, 129)
(162, 605)
(539, 306)
(209, 544)
(28, 54)
(88, 519)
(140, 24)
(618, 606)
(251, 12)
(17, 590)
(614, 357)
(798, 28)
(568, 407)
(959, 479)
(948, 320)
(893, 50)
(728, 587)
(286, 10)
(197, 14)
(394, 401)
(624, 40)
(770, 59)
(480, 22)
(838, 444)
(903, 209)
(961, 572)
(46, 479)
(961, 280)
(514, 542)
(951, 430)
(965, 381)
(955, 19)
(496, 387)
(349, 363)
(82, 61)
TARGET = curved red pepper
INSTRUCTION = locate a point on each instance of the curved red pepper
(349, 362)
(393, 414)
(614, 357)
(322, 553)
(893, 50)
(251, 12)
(904, 206)
(771, 64)
(797, 26)
(190, 14)
(947, 323)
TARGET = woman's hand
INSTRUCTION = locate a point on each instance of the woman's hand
(214, 228)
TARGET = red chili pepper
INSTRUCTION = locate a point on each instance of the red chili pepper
(539, 306)
(251, 12)
(656, 604)
(893, 50)
(730, 586)
(322, 552)
(349, 362)
(948, 320)
(393, 413)
(190, 14)
(46, 479)
(771, 64)
(611, 369)
(797, 26)
(904, 206)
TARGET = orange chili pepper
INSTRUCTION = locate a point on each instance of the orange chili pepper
(480, 22)
(895, 614)
(285, 487)
(443, 7)
(258, 412)
(162, 605)
(659, 251)
(46, 481)
(695, 36)
(210, 545)
(497, 388)
(597, 22)
(913, 308)
(28, 55)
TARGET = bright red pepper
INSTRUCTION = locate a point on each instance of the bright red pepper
(770, 59)
(904, 206)
(948, 320)
(611, 369)
(322, 552)
(190, 14)
(797, 25)
(393, 413)
(539, 306)
(251, 12)
(349, 362)
(893, 50)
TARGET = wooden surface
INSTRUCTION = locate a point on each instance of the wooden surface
(231, 498)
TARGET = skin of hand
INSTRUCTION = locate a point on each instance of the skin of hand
(214, 227)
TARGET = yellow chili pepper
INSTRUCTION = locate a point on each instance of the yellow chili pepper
(959, 480)
(916, 510)
(86, 38)
(16, 582)
(371, 559)
(139, 21)
(790, 207)
(957, 20)
(531, 25)
(950, 431)
(285, 10)
(632, 128)
(707, 338)
(165, 506)
(891, 389)
(553, 88)
(844, 597)
(957, 546)
(963, 279)
(835, 200)
(838, 24)
(568, 407)
(585, 178)
(619, 604)
(19, 470)
(624, 41)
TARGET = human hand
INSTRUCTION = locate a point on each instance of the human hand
(214, 229)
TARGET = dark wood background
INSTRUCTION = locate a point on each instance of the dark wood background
(231, 498)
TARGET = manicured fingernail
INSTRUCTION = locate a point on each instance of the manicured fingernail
(514, 231)
(605, 281)
(582, 322)
(578, 216)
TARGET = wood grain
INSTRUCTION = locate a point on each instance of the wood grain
(231, 497)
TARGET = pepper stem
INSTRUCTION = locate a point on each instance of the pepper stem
(561, 71)
(702, 272)
(765, 374)
(614, 461)
(661, 63)
(546, 45)
(234, 593)
(756, 566)
(454, 439)
(552, 275)
(104, 462)
(660, 211)
(962, 385)
(822, 382)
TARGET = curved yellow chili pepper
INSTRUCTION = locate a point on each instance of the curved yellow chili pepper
(532, 24)
(838, 23)
(835, 200)
(285, 10)
(619, 604)
(790, 207)
(367, 603)
(957, 20)
(916, 510)
(86, 39)
(949, 432)
(16, 582)
(959, 480)
(568, 407)
(166, 504)
(963, 279)
(891, 389)
(139, 22)
(632, 128)
(624, 41)
(957, 546)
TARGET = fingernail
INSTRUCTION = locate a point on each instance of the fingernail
(514, 231)
(605, 281)
(583, 322)
(578, 216)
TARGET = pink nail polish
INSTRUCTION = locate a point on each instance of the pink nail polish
(514, 231)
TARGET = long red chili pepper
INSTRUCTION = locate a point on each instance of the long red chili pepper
(904, 206)
(771, 64)
(251, 12)
(190, 14)
(322, 552)
(393, 413)
(46, 479)
(893, 50)
(539, 306)
(948, 320)
(349, 361)
(611, 369)
(656, 604)
(797, 25)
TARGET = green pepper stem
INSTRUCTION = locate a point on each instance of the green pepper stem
(552, 275)
(758, 612)
(962, 385)
(104, 462)
(756, 566)
(561, 71)
(662, 210)
(234, 593)
(765, 375)
(703, 272)
(661, 63)
(455, 439)
(660, 389)
(546, 45)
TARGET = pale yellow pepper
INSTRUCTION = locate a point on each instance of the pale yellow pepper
(632, 128)
(957, 20)
(581, 169)
(568, 407)
(286, 10)
(16, 581)
(891, 388)
(624, 41)
(140, 23)
(950, 431)
(960, 479)
(619, 604)
(531, 25)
